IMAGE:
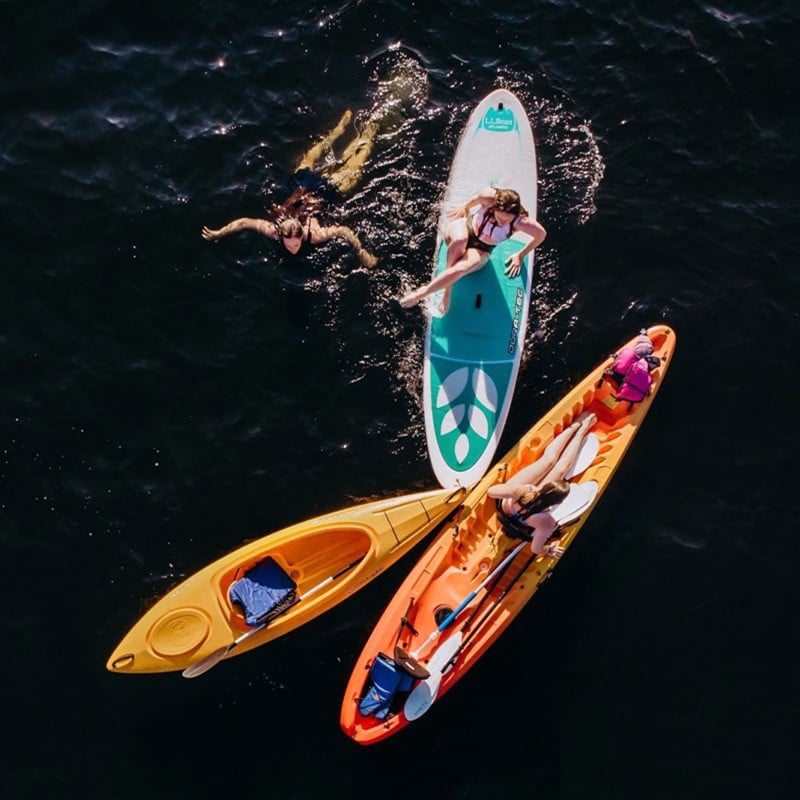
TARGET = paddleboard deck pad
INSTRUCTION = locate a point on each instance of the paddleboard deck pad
(473, 352)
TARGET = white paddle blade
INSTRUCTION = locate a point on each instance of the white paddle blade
(587, 453)
(580, 497)
(421, 699)
(444, 653)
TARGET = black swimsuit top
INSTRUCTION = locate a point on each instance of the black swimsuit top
(474, 240)
(513, 525)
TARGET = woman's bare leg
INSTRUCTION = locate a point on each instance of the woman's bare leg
(534, 474)
(556, 460)
(456, 239)
(570, 453)
(460, 262)
(346, 176)
(318, 150)
(470, 263)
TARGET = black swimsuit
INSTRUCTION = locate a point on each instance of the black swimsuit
(318, 185)
(474, 240)
(513, 525)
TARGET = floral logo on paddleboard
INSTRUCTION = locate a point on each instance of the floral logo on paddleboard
(477, 407)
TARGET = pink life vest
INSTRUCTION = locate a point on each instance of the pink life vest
(631, 369)
(636, 383)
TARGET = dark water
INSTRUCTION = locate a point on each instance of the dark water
(167, 399)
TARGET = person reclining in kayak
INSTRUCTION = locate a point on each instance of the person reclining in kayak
(523, 500)
(477, 227)
(295, 222)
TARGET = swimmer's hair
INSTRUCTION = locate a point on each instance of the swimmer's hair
(290, 228)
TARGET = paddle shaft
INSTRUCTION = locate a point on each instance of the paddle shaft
(523, 569)
(476, 610)
(448, 620)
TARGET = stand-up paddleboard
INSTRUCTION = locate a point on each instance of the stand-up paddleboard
(473, 352)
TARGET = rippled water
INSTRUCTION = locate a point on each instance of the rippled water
(167, 398)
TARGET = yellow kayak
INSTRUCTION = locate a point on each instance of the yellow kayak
(302, 571)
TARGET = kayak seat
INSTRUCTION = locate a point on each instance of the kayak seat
(264, 591)
(386, 681)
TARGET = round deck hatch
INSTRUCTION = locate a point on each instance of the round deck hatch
(180, 631)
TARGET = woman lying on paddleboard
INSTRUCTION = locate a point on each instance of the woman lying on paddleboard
(483, 222)
(523, 500)
(295, 222)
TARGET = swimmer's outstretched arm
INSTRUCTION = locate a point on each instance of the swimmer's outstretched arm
(262, 226)
(321, 234)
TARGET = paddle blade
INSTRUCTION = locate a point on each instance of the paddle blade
(580, 497)
(410, 664)
(421, 699)
(586, 455)
(205, 664)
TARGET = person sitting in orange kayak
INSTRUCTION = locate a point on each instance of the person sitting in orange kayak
(483, 222)
(523, 501)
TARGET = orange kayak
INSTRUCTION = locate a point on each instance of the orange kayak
(473, 580)
(274, 584)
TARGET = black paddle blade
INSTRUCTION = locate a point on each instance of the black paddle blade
(410, 664)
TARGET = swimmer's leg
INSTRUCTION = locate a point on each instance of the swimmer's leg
(346, 175)
(317, 151)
